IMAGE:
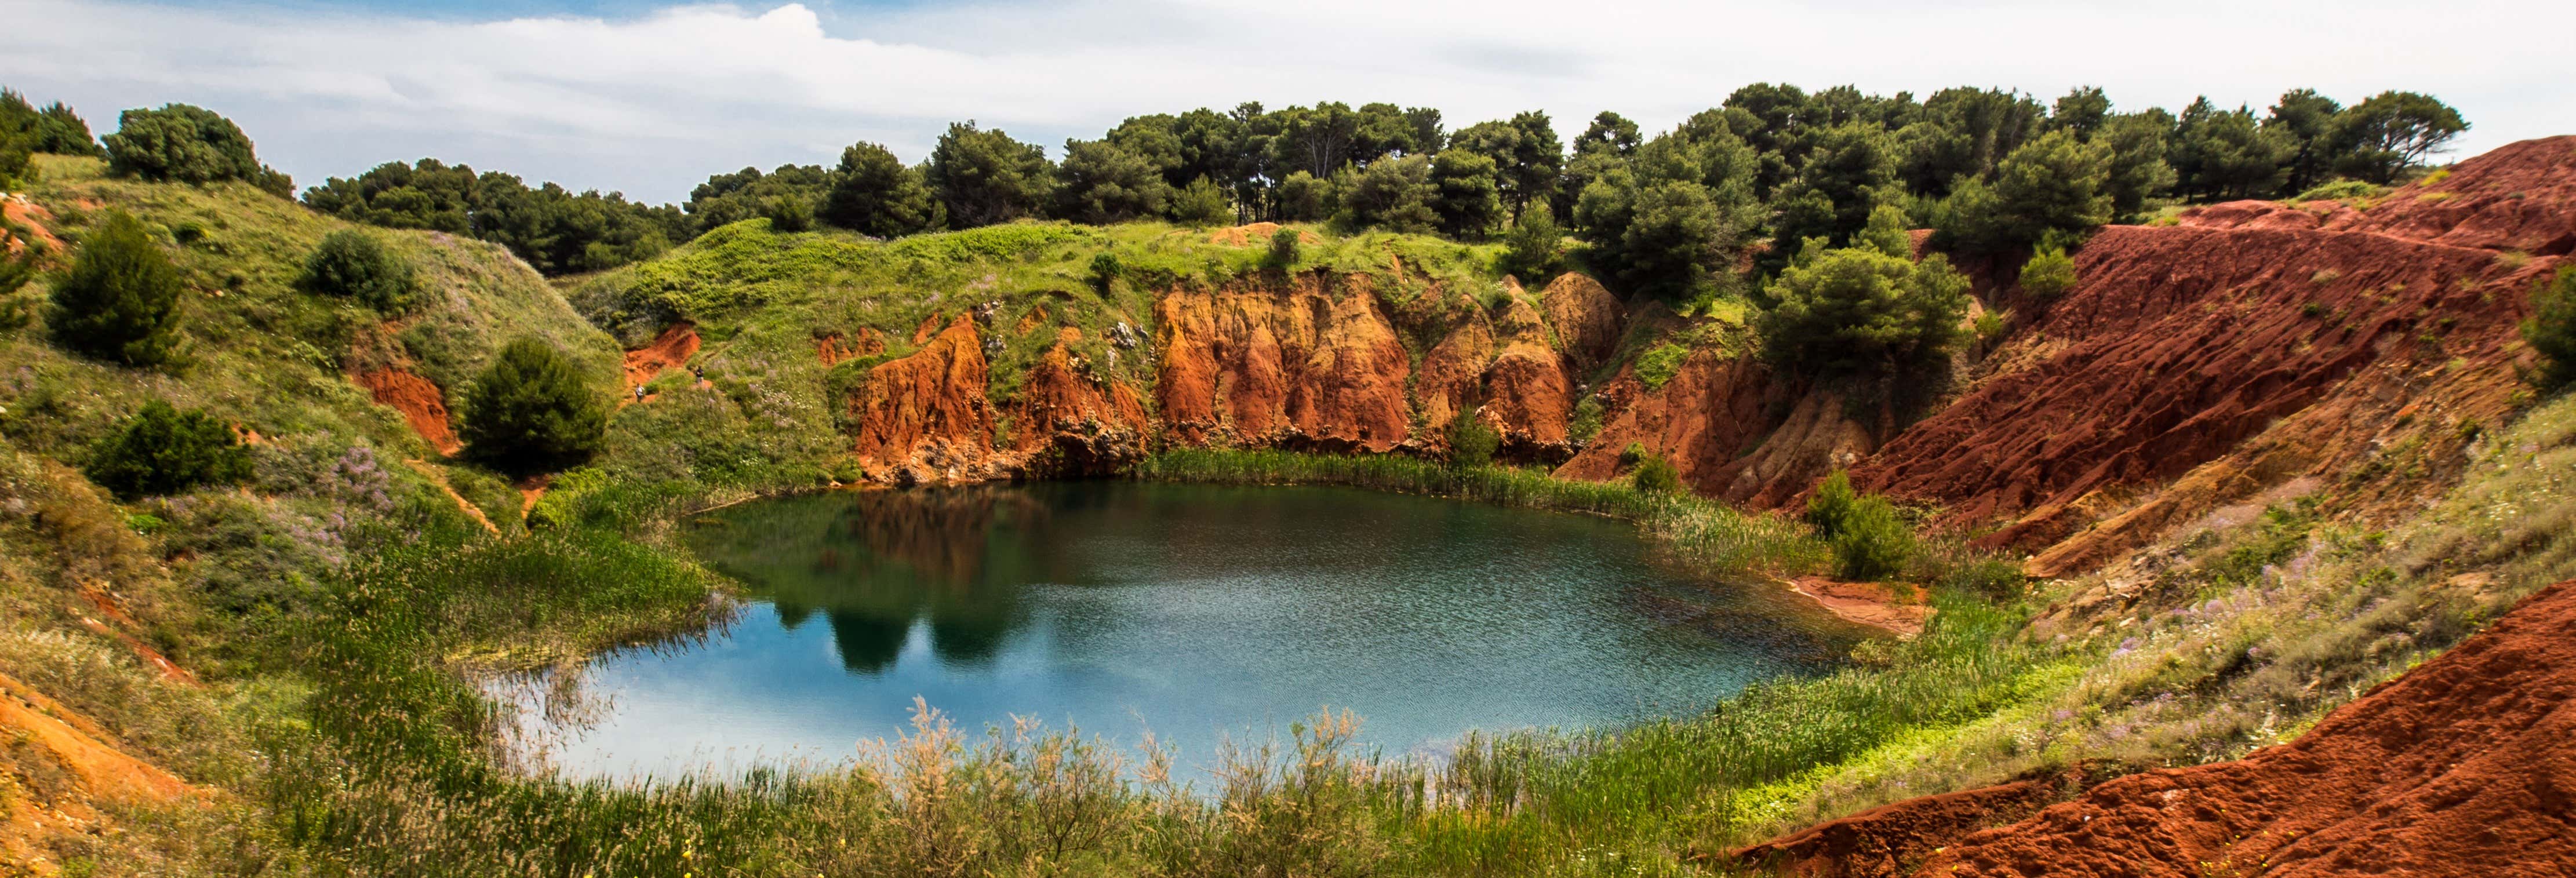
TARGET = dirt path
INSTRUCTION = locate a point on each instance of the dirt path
(438, 477)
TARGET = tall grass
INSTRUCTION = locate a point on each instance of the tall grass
(1707, 534)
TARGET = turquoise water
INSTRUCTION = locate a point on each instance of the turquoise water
(1195, 612)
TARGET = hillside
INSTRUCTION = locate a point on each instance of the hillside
(2260, 459)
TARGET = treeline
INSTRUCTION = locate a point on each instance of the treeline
(1674, 214)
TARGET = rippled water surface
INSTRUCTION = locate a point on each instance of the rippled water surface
(1196, 612)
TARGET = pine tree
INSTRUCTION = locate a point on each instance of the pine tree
(163, 451)
(531, 411)
(120, 301)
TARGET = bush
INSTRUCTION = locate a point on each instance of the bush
(1530, 249)
(2048, 274)
(354, 265)
(787, 213)
(1105, 268)
(120, 300)
(184, 143)
(1283, 248)
(1871, 542)
(1655, 475)
(163, 451)
(2551, 330)
(1472, 442)
(531, 411)
(1831, 505)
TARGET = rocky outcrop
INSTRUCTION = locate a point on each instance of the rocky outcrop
(673, 347)
(1291, 364)
(1452, 376)
(1528, 398)
(1069, 424)
(1703, 419)
(1586, 317)
(925, 417)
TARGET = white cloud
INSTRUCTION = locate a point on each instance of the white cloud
(654, 103)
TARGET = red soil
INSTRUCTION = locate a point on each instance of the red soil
(2461, 767)
(421, 403)
(1889, 840)
(1898, 609)
(32, 217)
(1069, 424)
(1452, 374)
(924, 417)
(1296, 365)
(1586, 317)
(1255, 234)
(1527, 395)
(2514, 198)
(677, 343)
(832, 349)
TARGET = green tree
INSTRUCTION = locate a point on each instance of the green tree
(2224, 154)
(1872, 543)
(2081, 112)
(2306, 121)
(2138, 143)
(532, 411)
(1303, 198)
(1472, 442)
(354, 265)
(780, 195)
(1395, 194)
(1850, 170)
(2054, 183)
(1830, 507)
(181, 142)
(1100, 183)
(1859, 311)
(1527, 155)
(2394, 131)
(2551, 330)
(1465, 194)
(163, 451)
(1203, 203)
(120, 300)
(984, 177)
(1532, 250)
(874, 194)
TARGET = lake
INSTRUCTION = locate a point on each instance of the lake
(1196, 612)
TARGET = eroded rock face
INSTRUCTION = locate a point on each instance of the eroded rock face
(2514, 198)
(925, 418)
(1068, 424)
(1528, 398)
(1703, 419)
(1453, 373)
(1586, 317)
(1296, 366)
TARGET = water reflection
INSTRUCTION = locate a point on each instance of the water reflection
(1196, 613)
(872, 563)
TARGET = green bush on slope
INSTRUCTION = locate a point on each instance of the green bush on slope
(162, 451)
(120, 300)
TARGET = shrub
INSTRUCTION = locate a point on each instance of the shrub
(162, 451)
(1660, 363)
(1831, 505)
(181, 142)
(1104, 269)
(120, 300)
(787, 213)
(354, 265)
(531, 411)
(1871, 542)
(1283, 248)
(1472, 442)
(2551, 330)
(1860, 311)
(1530, 250)
(2048, 274)
(1655, 475)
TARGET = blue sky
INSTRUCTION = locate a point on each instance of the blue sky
(649, 98)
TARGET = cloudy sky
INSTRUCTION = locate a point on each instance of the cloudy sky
(650, 98)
